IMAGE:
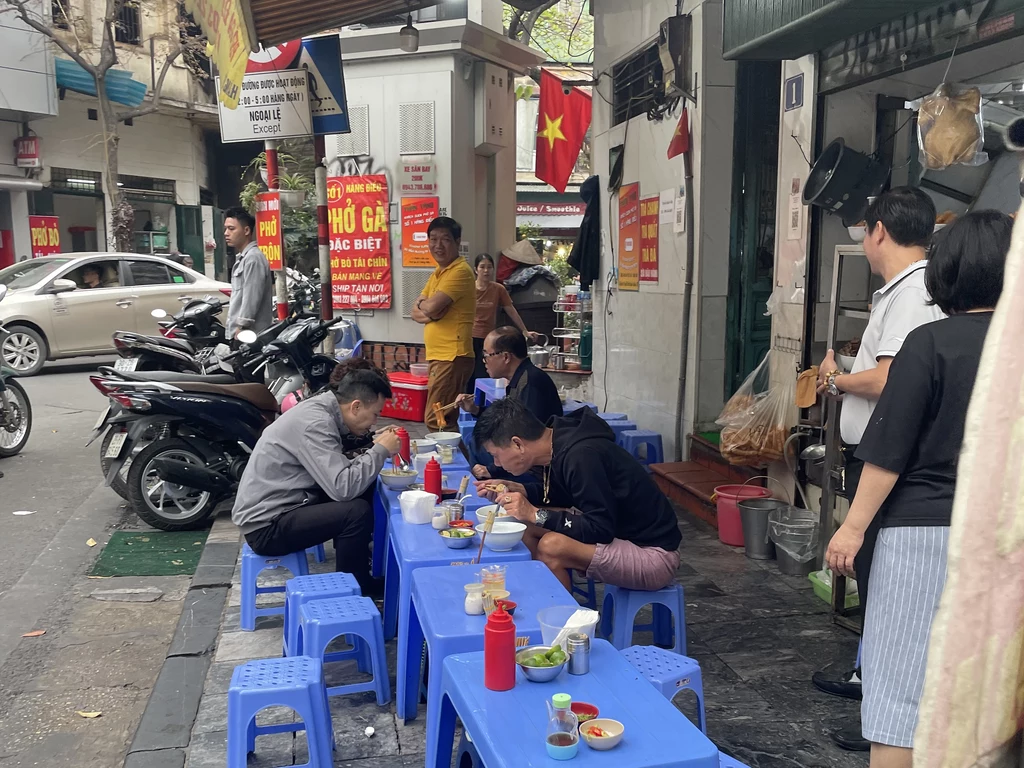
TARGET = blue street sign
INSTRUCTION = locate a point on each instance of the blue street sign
(794, 92)
(321, 56)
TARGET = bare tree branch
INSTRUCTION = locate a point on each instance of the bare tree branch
(530, 20)
(158, 88)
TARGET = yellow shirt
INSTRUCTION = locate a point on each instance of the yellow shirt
(452, 335)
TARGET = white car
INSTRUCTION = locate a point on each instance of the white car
(53, 313)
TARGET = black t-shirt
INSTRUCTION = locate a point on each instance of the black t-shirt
(917, 428)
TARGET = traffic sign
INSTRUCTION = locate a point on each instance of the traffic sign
(321, 57)
(274, 58)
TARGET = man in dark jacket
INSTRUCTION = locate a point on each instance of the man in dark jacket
(596, 511)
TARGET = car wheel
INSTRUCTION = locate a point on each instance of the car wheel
(24, 350)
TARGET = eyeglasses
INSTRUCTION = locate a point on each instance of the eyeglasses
(488, 355)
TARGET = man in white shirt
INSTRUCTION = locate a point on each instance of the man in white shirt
(900, 223)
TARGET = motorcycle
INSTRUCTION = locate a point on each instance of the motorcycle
(194, 438)
(15, 408)
(185, 343)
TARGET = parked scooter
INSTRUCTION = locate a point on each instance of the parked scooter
(15, 408)
(185, 343)
(193, 438)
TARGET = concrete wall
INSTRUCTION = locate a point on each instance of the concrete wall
(642, 331)
(26, 67)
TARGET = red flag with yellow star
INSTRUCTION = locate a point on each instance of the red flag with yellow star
(562, 123)
(681, 138)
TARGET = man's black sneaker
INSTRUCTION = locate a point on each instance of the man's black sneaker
(851, 739)
(847, 686)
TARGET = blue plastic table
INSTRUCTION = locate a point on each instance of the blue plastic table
(385, 502)
(509, 727)
(438, 617)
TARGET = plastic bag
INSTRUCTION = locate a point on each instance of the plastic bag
(950, 127)
(755, 421)
(795, 532)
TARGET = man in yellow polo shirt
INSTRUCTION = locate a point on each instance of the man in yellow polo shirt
(446, 310)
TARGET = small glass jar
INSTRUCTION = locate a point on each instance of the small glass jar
(439, 520)
(493, 578)
(474, 604)
(447, 453)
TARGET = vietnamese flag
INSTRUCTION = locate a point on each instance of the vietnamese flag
(562, 123)
(681, 138)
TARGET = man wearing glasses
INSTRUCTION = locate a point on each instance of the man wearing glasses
(446, 310)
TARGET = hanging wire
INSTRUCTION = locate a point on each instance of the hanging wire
(949, 64)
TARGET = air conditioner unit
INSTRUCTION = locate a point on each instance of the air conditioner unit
(676, 52)
(494, 129)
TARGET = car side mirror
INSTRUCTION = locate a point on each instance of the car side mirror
(246, 337)
(159, 314)
(63, 285)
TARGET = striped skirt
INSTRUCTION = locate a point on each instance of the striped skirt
(907, 577)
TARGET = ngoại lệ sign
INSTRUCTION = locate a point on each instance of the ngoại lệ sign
(272, 105)
(269, 234)
(45, 232)
(357, 211)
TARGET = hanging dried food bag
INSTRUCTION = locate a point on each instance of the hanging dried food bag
(759, 434)
(950, 128)
(753, 388)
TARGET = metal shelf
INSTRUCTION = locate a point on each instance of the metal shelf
(566, 333)
(565, 308)
(855, 313)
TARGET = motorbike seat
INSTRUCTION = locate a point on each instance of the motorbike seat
(179, 344)
(257, 394)
(173, 377)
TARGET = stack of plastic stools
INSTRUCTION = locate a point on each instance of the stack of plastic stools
(614, 416)
(295, 682)
(666, 604)
(669, 672)
(621, 427)
(302, 589)
(589, 592)
(724, 761)
(321, 621)
(466, 756)
(571, 406)
(632, 439)
(467, 422)
(318, 553)
(252, 566)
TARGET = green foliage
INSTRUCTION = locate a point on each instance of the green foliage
(564, 31)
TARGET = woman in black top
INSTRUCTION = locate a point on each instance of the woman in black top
(910, 451)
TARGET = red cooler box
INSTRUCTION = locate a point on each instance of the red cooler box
(409, 401)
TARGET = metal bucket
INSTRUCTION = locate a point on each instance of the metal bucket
(793, 567)
(754, 517)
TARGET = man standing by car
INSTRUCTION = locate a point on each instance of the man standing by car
(252, 302)
(446, 310)
(899, 227)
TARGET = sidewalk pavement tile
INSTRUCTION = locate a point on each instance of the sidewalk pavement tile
(209, 750)
(161, 758)
(167, 721)
(243, 646)
(213, 714)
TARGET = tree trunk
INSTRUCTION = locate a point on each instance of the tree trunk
(121, 215)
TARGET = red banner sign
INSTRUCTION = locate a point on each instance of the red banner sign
(649, 207)
(45, 231)
(629, 237)
(417, 213)
(269, 236)
(357, 210)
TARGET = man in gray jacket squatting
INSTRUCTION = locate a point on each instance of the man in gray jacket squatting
(299, 462)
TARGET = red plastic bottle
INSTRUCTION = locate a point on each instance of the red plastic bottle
(403, 438)
(432, 478)
(500, 652)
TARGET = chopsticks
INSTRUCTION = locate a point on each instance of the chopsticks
(441, 410)
(487, 526)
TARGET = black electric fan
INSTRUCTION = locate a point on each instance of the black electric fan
(842, 180)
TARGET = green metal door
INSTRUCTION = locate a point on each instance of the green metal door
(190, 233)
(220, 268)
(752, 246)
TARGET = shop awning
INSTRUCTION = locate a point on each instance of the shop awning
(788, 29)
(278, 21)
(121, 88)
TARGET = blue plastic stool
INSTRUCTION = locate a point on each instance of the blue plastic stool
(318, 553)
(666, 604)
(252, 566)
(302, 589)
(589, 592)
(724, 761)
(571, 406)
(467, 423)
(295, 682)
(632, 439)
(669, 673)
(614, 416)
(323, 620)
(467, 756)
(621, 427)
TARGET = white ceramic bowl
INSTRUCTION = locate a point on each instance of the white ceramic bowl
(857, 234)
(445, 438)
(423, 446)
(400, 480)
(483, 512)
(504, 535)
(846, 362)
(613, 728)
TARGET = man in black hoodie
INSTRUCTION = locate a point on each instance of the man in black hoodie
(596, 510)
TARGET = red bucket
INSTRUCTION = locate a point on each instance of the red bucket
(730, 526)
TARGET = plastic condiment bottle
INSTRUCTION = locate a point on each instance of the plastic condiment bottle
(432, 478)
(500, 652)
(403, 439)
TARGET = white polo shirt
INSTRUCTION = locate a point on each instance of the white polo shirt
(897, 308)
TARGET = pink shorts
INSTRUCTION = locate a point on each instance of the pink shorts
(624, 564)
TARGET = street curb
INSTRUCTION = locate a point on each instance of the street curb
(165, 729)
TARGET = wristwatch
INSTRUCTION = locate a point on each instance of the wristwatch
(830, 383)
(542, 517)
